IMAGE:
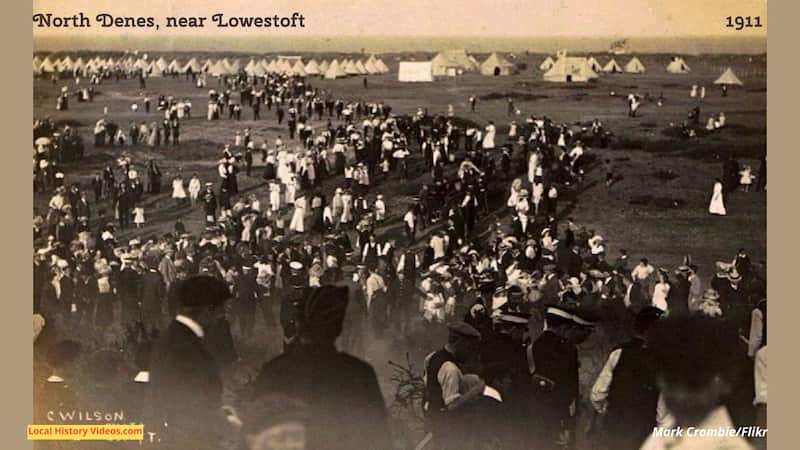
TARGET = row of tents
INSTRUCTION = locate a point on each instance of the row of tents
(633, 66)
(290, 65)
(451, 63)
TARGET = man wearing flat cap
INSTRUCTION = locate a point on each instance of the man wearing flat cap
(185, 383)
(443, 379)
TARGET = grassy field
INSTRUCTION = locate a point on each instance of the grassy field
(642, 149)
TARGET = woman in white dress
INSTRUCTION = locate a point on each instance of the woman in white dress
(298, 218)
(717, 205)
(488, 138)
(178, 192)
(661, 290)
(194, 189)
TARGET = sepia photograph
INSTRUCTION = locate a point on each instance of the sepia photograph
(449, 225)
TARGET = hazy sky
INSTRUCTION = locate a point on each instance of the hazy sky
(440, 17)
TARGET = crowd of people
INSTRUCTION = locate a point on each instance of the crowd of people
(320, 266)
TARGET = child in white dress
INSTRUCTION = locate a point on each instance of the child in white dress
(747, 178)
(178, 192)
(138, 216)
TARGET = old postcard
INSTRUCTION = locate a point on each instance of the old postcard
(399, 225)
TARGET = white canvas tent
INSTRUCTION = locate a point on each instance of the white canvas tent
(207, 65)
(350, 68)
(234, 67)
(312, 68)
(218, 69)
(360, 67)
(382, 68)
(257, 70)
(174, 66)
(335, 70)
(594, 64)
(161, 63)
(248, 68)
(496, 65)
(64, 64)
(677, 65)
(612, 67)
(192, 66)
(414, 71)
(141, 64)
(264, 64)
(369, 66)
(284, 66)
(634, 66)
(451, 62)
(323, 67)
(47, 66)
(569, 69)
(299, 69)
(547, 64)
(155, 70)
(729, 78)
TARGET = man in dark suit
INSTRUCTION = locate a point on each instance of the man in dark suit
(249, 295)
(185, 383)
(152, 291)
(330, 382)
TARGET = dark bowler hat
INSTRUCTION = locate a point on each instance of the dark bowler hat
(203, 290)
